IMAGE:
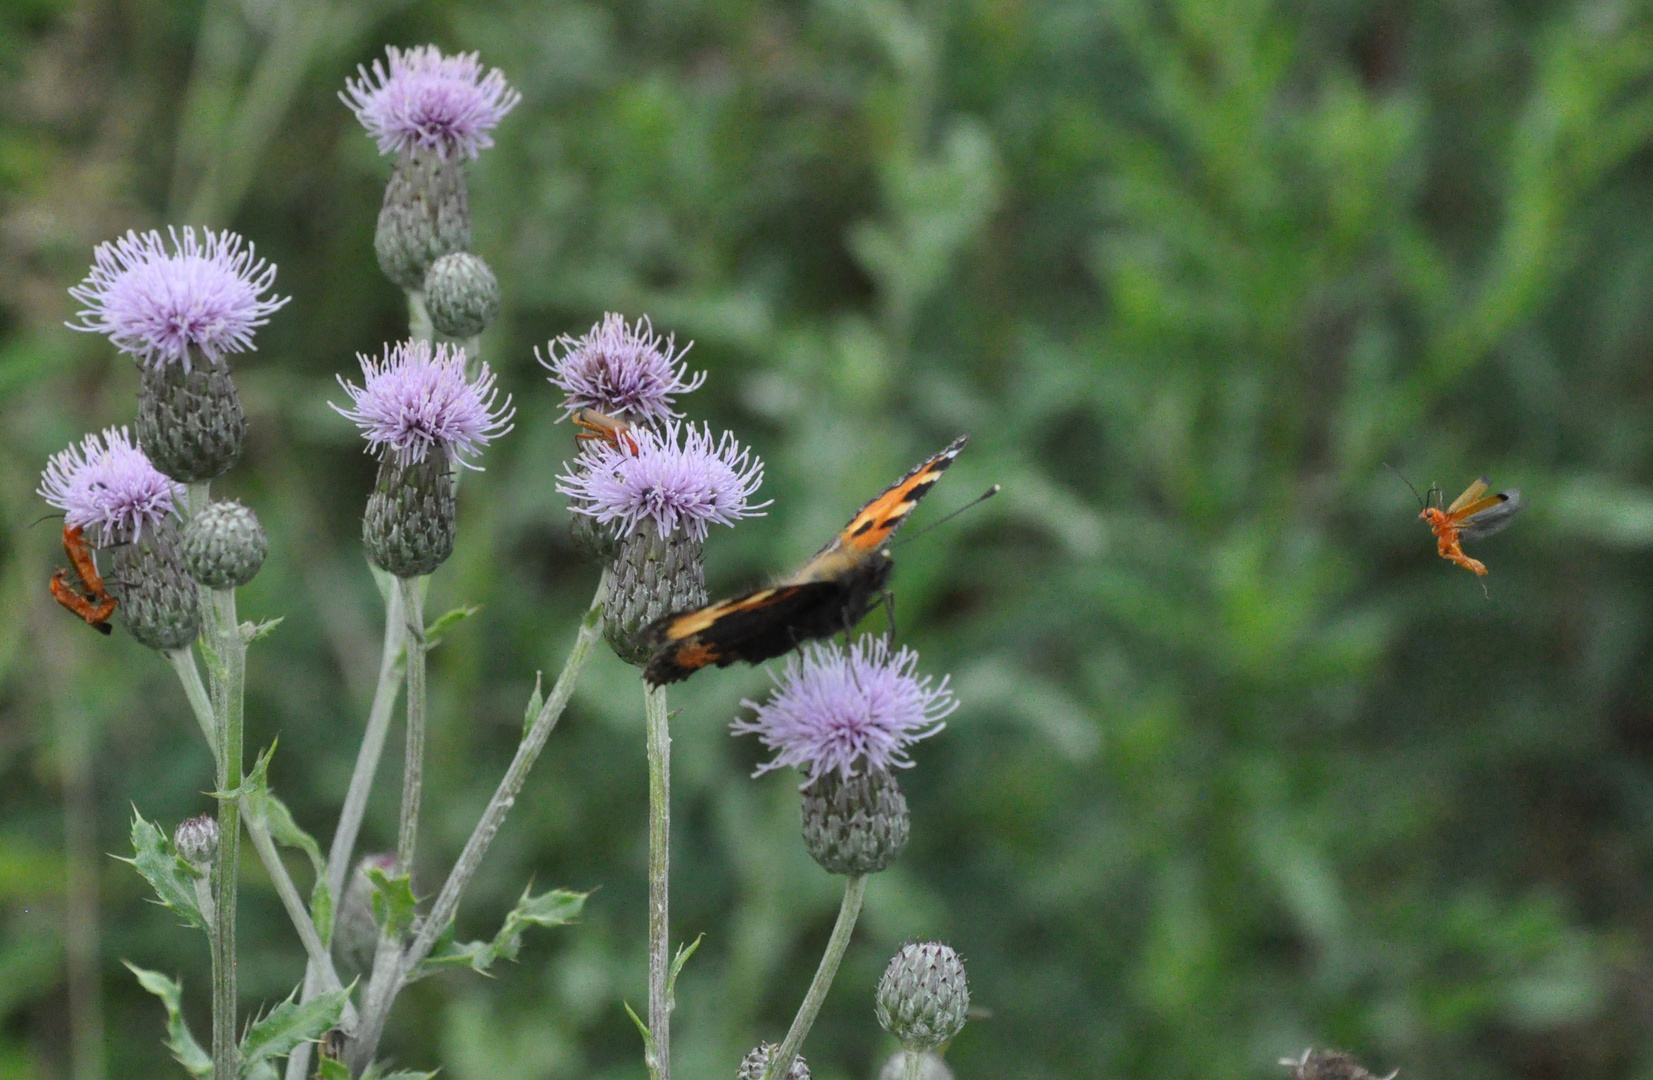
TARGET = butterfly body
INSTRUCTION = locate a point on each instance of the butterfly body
(830, 594)
(1471, 516)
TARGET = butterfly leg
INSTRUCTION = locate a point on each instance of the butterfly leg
(888, 600)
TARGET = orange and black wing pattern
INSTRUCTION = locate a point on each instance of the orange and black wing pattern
(830, 594)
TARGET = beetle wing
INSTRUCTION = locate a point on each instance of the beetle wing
(1490, 515)
(1471, 493)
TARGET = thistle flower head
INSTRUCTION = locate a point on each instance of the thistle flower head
(834, 710)
(416, 398)
(210, 293)
(107, 486)
(676, 478)
(420, 98)
(620, 369)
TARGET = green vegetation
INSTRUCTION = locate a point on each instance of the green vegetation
(1241, 765)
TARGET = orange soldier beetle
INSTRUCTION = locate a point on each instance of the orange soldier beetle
(1471, 516)
(609, 429)
(95, 605)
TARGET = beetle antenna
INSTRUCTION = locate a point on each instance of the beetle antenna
(1422, 505)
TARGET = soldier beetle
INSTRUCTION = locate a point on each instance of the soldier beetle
(1473, 515)
(94, 604)
(609, 429)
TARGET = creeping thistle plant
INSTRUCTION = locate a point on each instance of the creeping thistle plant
(644, 492)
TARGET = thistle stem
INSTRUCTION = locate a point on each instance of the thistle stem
(231, 673)
(855, 889)
(183, 662)
(659, 741)
(413, 764)
(290, 899)
(361, 786)
(377, 1007)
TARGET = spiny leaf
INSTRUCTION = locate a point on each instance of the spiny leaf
(436, 631)
(393, 901)
(682, 957)
(171, 877)
(262, 806)
(555, 908)
(287, 1025)
(189, 1053)
(251, 632)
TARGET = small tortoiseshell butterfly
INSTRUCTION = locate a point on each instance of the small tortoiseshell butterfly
(832, 592)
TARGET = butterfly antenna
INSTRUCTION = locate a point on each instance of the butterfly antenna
(1421, 504)
(977, 501)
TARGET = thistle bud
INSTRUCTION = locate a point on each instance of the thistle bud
(157, 600)
(190, 423)
(923, 996)
(461, 294)
(196, 839)
(753, 1066)
(355, 933)
(855, 826)
(1329, 1065)
(223, 546)
(410, 521)
(926, 1067)
(426, 215)
(651, 577)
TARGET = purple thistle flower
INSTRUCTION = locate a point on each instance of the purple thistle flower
(107, 486)
(620, 369)
(416, 398)
(441, 103)
(650, 478)
(155, 305)
(833, 709)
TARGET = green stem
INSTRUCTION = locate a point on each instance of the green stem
(232, 659)
(855, 888)
(183, 662)
(419, 325)
(382, 989)
(659, 740)
(413, 762)
(911, 1062)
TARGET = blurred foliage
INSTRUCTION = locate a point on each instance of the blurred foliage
(1241, 765)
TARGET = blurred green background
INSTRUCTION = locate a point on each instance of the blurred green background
(1241, 765)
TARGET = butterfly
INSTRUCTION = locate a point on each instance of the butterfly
(94, 604)
(831, 593)
(1471, 516)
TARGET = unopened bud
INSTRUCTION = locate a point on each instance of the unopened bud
(856, 826)
(753, 1066)
(923, 996)
(196, 839)
(223, 545)
(461, 294)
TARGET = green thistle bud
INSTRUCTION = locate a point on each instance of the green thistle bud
(196, 839)
(924, 1067)
(410, 521)
(752, 1067)
(461, 294)
(855, 826)
(923, 996)
(652, 577)
(156, 599)
(190, 424)
(223, 546)
(426, 215)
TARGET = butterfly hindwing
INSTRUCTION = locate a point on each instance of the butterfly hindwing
(829, 595)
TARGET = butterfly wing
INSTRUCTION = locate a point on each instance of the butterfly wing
(873, 525)
(1489, 515)
(829, 595)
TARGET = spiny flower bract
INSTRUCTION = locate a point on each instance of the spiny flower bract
(107, 486)
(209, 293)
(416, 398)
(620, 369)
(422, 98)
(843, 710)
(676, 478)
